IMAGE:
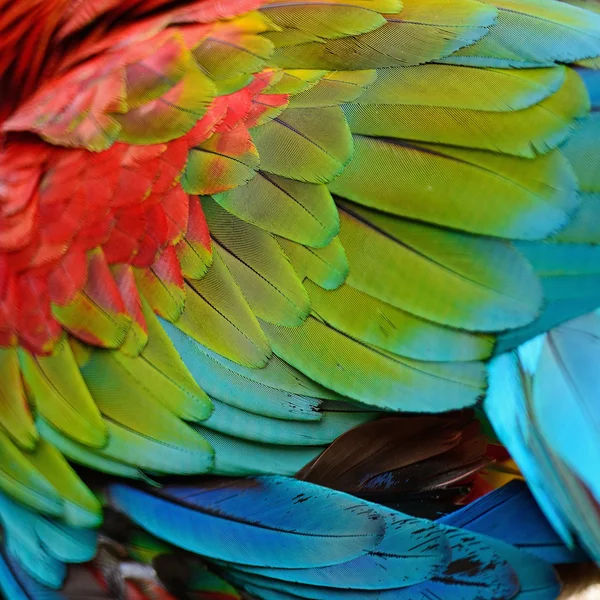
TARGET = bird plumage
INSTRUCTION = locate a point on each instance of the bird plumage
(233, 231)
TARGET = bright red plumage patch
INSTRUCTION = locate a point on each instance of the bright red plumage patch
(90, 195)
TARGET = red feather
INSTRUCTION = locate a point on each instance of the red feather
(68, 277)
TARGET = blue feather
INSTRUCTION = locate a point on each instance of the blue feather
(591, 78)
(505, 406)
(566, 389)
(543, 408)
(277, 391)
(16, 584)
(537, 579)
(412, 550)
(510, 514)
(262, 521)
(475, 572)
(23, 544)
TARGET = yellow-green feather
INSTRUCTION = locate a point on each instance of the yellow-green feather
(61, 395)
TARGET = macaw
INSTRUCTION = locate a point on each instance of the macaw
(269, 269)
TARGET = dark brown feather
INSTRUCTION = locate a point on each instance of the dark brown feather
(408, 460)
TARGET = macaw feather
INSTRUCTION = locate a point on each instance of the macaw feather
(84, 455)
(162, 285)
(80, 507)
(230, 158)
(321, 21)
(591, 78)
(235, 457)
(493, 284)
(464, 88)
(194, 251)
(317, 141)
(162, 369)
(327, 267)
(239, 423)
(381, 6)
(565, 388)
(386, 567)
(229, 51)
(255, 513)
(393, 329)
(527, 132)
(42, 545)
(144, 430)
(15, 415)
(584, 227)
(295, 81)
(22, 481)
(422, 32)
(388, 175)
(302, 212)
(259, 267)
(271, 398)
(335, 88)
(137, 335)
(566, 492)
(497, 515)
(371, 375)
(455, 582)
(61, 395)
(97, 315)
(556, 32)
(581, 150)
(218, 316)
(235, 235)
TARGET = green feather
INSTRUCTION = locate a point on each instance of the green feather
(80, 506)
(302, 212)
(143, 431)
(335, 88)
(306, 144)
(448, 86)
(238, 458)
(259, 266)
(238, 423)
(470, 190)
(167, 299)
(223, 59)
(174, 449)
(323, 21)
(162, 371)
(373, 376)
(584, 227)
(455, 279)
(218, 316)
(526, 133)
(327, 267)
(382, 6)
(23, 482)
(295, 81)
(583, 152)
(423, 31)
(61, 395)
(15, 416)
(372, 321)
(231, 383)
(65, 543)
(84, 455)
(534, 32)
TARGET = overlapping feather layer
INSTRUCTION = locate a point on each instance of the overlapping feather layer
(232, 232)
